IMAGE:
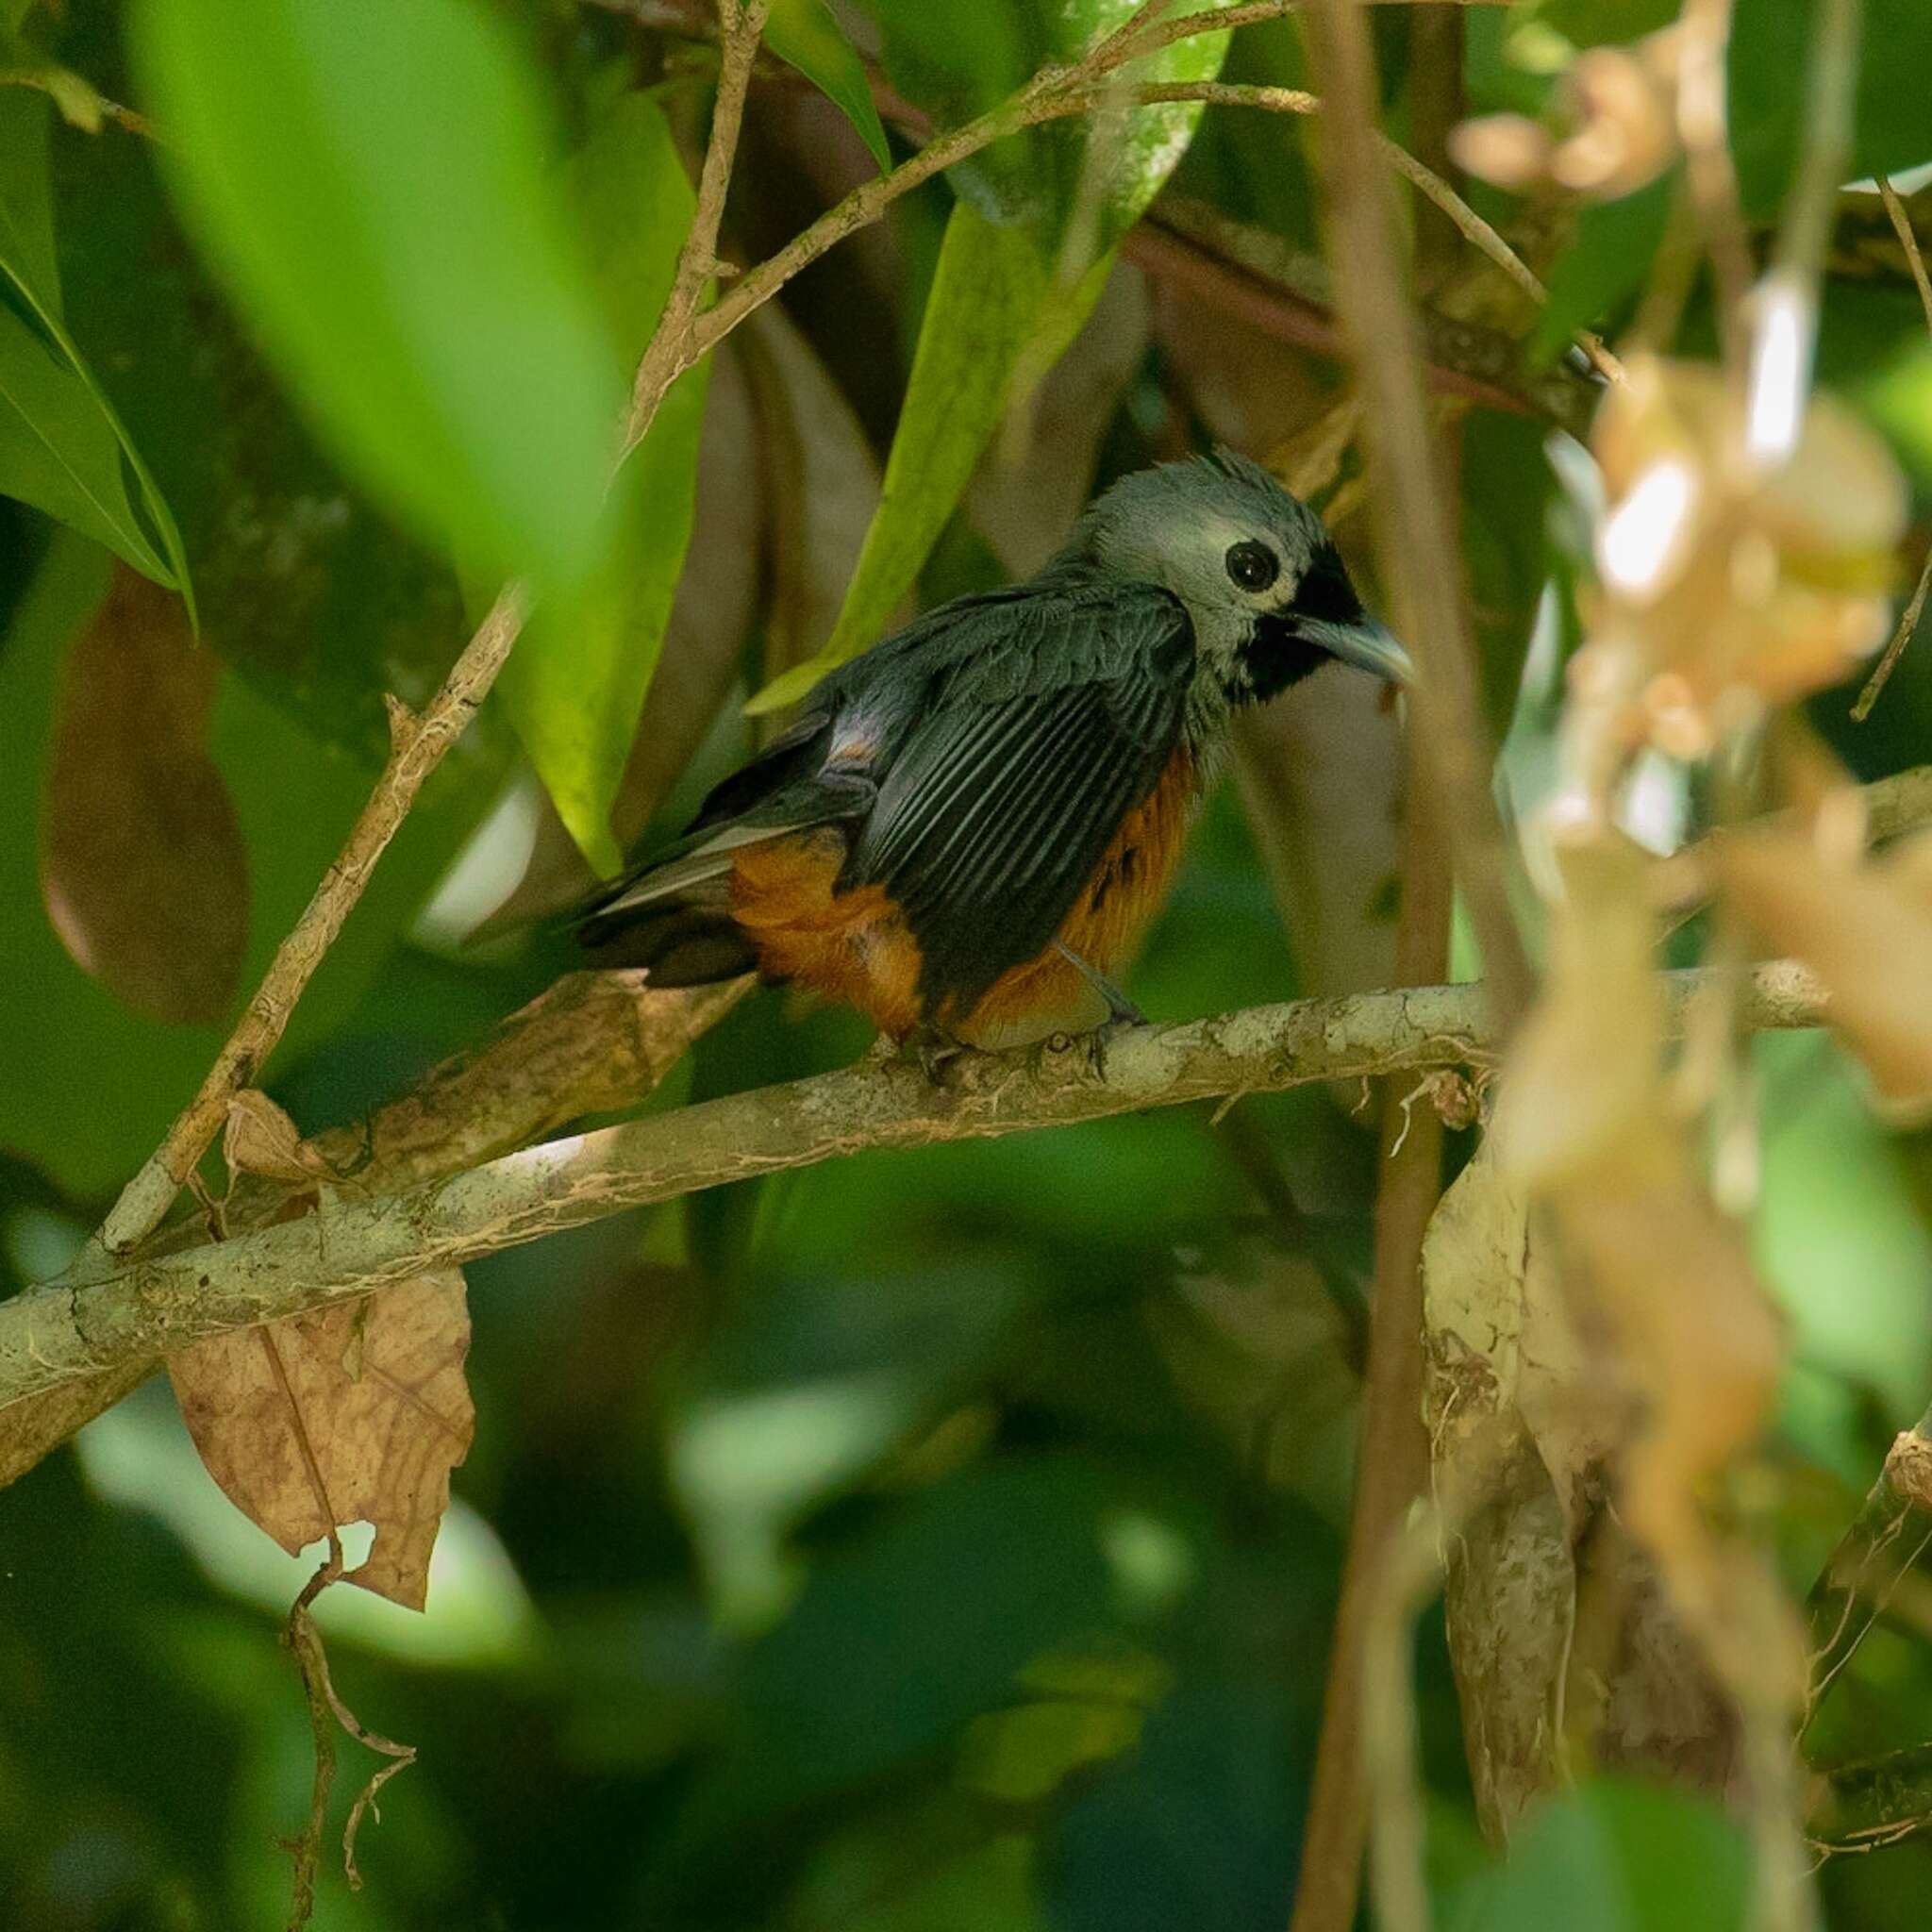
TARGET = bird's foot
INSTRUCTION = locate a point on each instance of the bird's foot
(1123, 1020)
(933, 1050)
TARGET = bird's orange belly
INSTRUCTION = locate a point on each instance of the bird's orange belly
(856, 946)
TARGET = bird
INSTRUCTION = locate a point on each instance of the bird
(967, 828)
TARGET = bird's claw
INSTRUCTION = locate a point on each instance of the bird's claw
(933, 1050)
(1103, 1036)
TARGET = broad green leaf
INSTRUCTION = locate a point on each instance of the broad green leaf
(26, 207)
(804, 35)
(993, 300)
(367, 179)
(958, 58)
(576, 681)
(1508, 484)
(322, 600)
(62, 448)
(1595, 22)
(1770, 74)
(1899, 399)
(1612, 1856)
(1835, 1233)
(1604, 260)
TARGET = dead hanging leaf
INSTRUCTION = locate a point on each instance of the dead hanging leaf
(822, 481)
(1560, 1635)
(1586, 1125)
(353, 1414)
(1619, 108)
(1865, 930)
(1727, 587)
(1567, 1102)
(142, 865)
(259, 1138)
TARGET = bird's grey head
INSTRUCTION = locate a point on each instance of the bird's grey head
(1264, 589)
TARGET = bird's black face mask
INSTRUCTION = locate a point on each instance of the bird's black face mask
(1323, 621)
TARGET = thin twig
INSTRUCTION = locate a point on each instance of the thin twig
(101, 1314)
(667, 353)
(326, 1710)
(1909, 621)
(1480, 234)
(302, 1642)
(419, 742)
(1902, 226)
(1881, 1545)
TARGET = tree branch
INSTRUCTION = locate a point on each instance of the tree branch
(1881, 1545)
(592, 1043)
(104, 1314)
(419, 740)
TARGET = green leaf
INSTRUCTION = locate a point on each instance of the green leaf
(366, 176)
(958, 58)
(804, 35)
(1770, 74)
(576, 683)
(62, 448)
(1899, 399)
(993, 299)
(321, 599)
(1615, 1858)
(26, 207)
(1605, 260)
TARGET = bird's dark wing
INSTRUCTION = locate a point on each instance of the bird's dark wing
(998, 805)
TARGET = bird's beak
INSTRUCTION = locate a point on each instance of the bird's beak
(1366, 644)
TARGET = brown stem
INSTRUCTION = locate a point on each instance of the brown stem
(1416, 545)
(104, 1314)
(1393, 1463)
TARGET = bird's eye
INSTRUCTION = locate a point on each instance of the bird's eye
(1252, 566)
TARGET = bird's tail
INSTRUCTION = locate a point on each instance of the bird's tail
(675, 918)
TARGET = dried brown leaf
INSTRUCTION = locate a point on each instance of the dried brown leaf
(142, 865)
(1533, 1412)
(259, 1138)
(1728, 585)
(1866, 931)
(1586, 1069)
(353, 1414)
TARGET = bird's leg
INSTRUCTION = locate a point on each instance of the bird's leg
(1121, 1011)
(933, 1048)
